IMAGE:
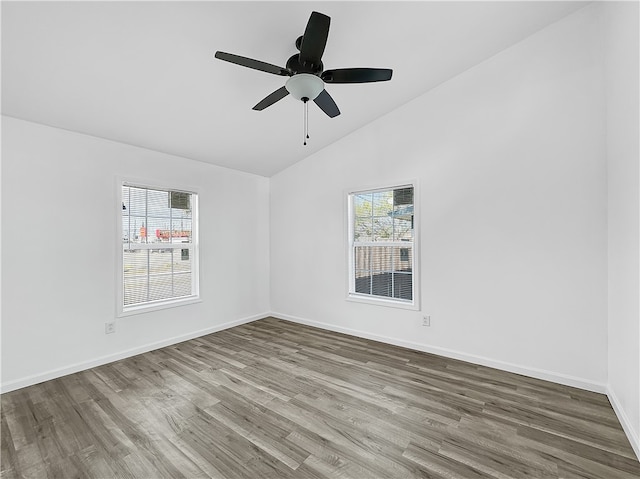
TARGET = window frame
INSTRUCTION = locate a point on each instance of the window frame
(351, 295)
(121, 309)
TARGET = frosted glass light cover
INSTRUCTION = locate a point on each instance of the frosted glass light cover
(304, 85)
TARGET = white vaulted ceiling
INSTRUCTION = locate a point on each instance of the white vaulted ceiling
(143, 73)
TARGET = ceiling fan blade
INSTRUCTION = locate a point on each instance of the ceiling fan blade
(315, 38)
(251, 63)
(277, 95)
(326, 104)
(356, 75)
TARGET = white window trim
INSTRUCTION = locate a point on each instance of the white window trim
(414, 304)
(194, 247)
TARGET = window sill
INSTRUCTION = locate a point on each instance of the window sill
(157, 306)
(379, 301)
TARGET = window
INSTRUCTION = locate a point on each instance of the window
(381, 245)
(159, 248)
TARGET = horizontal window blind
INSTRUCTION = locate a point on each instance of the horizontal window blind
(159, 250)
(382, 244)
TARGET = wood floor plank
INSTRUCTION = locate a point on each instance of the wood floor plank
(440, 466)
(275, 399)
(262, 437)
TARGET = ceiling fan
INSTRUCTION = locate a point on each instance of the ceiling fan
(307, 71)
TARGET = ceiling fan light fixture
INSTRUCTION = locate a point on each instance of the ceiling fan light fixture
(304, 85)
(306, 70)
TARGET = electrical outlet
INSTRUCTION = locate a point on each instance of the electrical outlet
(426, 320)
(110, 327)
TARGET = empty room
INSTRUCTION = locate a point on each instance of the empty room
(320, 239)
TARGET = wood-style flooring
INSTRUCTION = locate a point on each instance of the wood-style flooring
(274, 399)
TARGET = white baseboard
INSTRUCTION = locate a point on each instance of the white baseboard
(555, 377)
(74, 368)
(629, 430)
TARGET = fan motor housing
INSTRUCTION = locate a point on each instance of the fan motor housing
(295, 66)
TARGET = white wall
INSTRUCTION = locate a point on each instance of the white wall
(621, 60)
(510, 159)
(59, 243)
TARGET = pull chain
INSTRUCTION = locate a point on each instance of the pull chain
(306, 120)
